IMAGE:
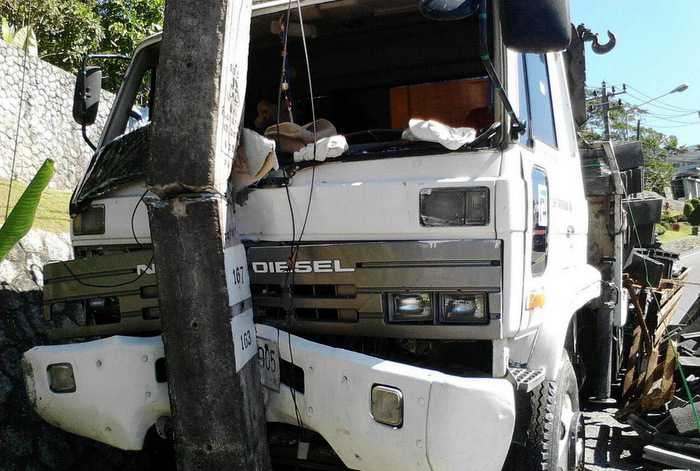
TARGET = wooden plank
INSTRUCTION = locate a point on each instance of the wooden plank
(668, 385)
(648, 377)
(666, 314)
(631, 374)
(639, 312)
(663, 386)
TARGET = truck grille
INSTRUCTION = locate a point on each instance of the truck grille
(338, 289)
(344, 289)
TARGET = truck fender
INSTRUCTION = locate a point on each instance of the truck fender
(583, 286)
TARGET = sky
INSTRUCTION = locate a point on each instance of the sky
(657, 50)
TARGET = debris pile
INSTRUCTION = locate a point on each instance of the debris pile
(661, 390)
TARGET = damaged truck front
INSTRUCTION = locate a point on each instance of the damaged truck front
(413, 297)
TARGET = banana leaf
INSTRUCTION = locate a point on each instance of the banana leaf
(22, 216)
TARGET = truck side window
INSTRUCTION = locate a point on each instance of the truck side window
(540, 99)
(140, 113)
(540, 220)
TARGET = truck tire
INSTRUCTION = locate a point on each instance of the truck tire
(555, 435)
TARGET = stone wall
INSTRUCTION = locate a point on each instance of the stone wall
(46, 126)
(26, 441)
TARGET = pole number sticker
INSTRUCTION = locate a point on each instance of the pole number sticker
(244, 339)
(237, 278)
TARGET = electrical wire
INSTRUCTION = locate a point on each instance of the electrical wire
(657, 101)
(138, 243)
(656, 104)
(292, 255)
(297, 245)
(19, 121)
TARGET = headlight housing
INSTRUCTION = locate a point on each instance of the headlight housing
(464, 308)
(454, 206)
(90, 222)
(411, 307)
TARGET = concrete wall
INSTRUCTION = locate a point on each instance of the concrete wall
(46, 126)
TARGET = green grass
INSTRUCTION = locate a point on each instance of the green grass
(671, 235)
(52, 214)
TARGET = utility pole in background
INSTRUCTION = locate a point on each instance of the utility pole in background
(605, 108)
(215, 393)
(605, 104)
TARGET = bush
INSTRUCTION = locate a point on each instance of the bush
(688, 208)
(694, 218)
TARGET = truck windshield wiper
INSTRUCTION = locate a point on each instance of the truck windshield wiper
(483, 137)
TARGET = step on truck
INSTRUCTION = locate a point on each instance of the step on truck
(432, 315)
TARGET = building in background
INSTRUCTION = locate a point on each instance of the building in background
(686, 175)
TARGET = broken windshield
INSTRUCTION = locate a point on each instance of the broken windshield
(376, 66)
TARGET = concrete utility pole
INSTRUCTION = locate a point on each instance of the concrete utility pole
(605, 106)
(215, 393)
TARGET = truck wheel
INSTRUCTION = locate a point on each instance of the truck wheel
(555, 436)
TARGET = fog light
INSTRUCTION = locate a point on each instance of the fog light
(104, 310)
(463, 308)
(61, 378)
(387, 405)
(74, 310)
(410, 307)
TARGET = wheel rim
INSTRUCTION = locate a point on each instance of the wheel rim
(571, 437)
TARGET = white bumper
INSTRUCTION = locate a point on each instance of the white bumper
(450, 422)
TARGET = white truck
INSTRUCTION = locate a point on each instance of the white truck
(430, 320)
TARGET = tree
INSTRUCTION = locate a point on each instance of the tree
(657, 174)
(66, 30)
(22, 38)
(656, 146)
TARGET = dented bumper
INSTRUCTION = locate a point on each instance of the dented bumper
(449, 422)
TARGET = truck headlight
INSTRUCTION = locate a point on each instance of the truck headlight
(463, 308)
(410, 307)
(454, 206)
(61, 378)
(89, 222)
(387, 405)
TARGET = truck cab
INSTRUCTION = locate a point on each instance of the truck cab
(409, 293)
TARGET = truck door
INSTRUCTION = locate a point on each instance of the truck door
(549, 168)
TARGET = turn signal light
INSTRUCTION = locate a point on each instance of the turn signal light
(387, 405)
(61, 378)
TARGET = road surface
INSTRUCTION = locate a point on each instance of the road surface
(691, 291)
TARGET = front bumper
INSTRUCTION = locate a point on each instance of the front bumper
(450, 422)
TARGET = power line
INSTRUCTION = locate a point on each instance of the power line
(676, 108)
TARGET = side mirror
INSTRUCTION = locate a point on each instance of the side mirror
(447, 10)
(536, 26)
(86, 99)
